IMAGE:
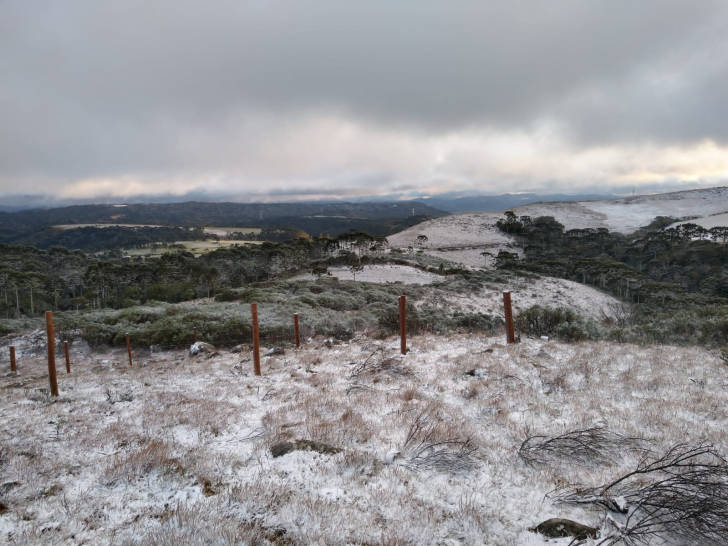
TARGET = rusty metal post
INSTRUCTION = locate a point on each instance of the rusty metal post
(510, 333)
(13, 366)
(68, 358)
(298, 334)
(194, 331)
(403, 324)
(128, 350)
(51, 334)
(256, 340)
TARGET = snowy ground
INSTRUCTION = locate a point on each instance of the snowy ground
(546, 291)
(380, 274)
(177, 450)
(708, 222)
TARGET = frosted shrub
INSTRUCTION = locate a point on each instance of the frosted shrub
(559, 322)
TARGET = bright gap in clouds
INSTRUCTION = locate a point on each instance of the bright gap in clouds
(317, 158)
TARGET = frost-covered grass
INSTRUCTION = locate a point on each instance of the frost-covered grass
(177, 449)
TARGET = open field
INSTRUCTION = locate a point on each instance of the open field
(196, 247)
(77, 226)
(178, 448)
(223, 231)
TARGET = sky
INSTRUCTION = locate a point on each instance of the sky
(253, 100)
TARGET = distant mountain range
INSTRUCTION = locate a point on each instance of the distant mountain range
(494, 203)
(196, 214)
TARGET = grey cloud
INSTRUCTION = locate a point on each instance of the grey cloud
(92, 88)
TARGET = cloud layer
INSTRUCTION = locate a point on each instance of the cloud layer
(258, 99)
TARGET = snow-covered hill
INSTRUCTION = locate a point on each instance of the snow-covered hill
(463, 237)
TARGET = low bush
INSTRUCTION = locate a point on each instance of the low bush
(558, 322)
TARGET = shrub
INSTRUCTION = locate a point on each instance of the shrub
(227, 295)
(558, 322)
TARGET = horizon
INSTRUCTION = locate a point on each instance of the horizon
(26, 203)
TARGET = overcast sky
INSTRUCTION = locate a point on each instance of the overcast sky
(306, 99)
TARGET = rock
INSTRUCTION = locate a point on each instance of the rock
(202, 348)
(544, 338)
(282, 448)
(559, 528)
(239, 348)
(275, 351)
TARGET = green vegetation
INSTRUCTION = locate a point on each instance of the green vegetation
(32, 280)
(674, 279)
(325, 306)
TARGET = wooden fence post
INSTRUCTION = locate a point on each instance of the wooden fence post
(510, 333)
(403, 324)
(51, 334)
(128, 350)
(68, 358)
(194, 332)
(256, 340)
(298, 334)
(13, 366)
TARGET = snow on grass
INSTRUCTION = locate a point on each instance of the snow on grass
(631, 213)
(177, 450)
(545, 291)
(380, 274)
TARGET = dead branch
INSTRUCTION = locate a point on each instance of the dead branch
(584, 447)
(683, 493)
(430, 445)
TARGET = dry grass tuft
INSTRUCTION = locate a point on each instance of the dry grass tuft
(153, 456)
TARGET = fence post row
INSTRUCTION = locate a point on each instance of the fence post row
(298, 335)
(128, 350)
(13, 367)
(256, 340)
(403, 324)
(510, 332)
(68, 358)
(51, 335)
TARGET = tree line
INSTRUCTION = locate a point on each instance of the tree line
(34, 280)
(657, 265)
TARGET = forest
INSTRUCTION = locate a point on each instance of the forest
(167, 223)
(34, 280)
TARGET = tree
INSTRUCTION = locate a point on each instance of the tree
(319, 270)
(485, 255)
